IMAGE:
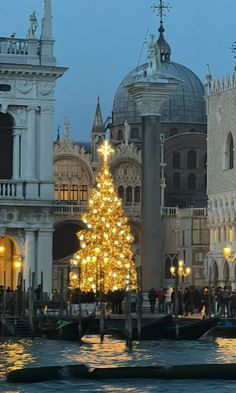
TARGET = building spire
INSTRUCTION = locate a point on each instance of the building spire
(163, 48)
(46, 32)
(98, 125)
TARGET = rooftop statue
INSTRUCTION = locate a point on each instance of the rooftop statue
(33, 25)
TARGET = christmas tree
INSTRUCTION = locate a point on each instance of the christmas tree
(105, 259)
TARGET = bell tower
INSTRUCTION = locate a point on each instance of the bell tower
(28, 74)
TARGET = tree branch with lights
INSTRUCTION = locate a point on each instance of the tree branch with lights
(105, 259)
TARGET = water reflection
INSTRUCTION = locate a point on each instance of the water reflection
(15, 354)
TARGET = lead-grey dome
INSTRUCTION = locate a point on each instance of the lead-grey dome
(185, 105)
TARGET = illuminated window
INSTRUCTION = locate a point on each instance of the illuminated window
(84, 193)
(56, 193)
(74, 193)
(230, 234)
(64, 193)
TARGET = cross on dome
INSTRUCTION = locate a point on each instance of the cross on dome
(106, 150)
(161, 8)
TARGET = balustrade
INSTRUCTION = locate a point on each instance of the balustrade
(14, 46)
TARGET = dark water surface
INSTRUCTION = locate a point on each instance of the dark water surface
(42, 352)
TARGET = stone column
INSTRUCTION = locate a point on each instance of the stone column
(45, 259)
(31, 144)
(150, 93)
(45, 154)
(150, 207)
(29, 263)
(16, 154)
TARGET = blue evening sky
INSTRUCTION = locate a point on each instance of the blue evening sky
(101, 41)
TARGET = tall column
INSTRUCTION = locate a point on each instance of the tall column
(150, 207)
(45, 259)
(31, 144)
(29, 263)
(45, 154)
(150, 93)
(16, 154)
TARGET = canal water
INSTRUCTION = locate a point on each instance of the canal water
(43, 352)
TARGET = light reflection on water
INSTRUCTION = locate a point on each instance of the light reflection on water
(26, 353)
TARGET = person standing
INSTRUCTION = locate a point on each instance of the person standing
(152, 299)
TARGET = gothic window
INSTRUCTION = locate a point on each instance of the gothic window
(74, 193)
(173, 131)
(120, 135)
(83, 193)
(6, 146)
(137, 194)
(64, 192)
(134, 134)
(121, 193)
(176, 180)
(176, 160)
(129, 194)
(192, 159)
(229, 152)
(192, 181)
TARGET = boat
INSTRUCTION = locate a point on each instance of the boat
(224, 328)
(66, 329)
(167, 327)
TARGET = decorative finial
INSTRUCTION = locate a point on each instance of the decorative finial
(66, 128)
(58, 133)
(105, 150)
(161, 8)
(233, 50)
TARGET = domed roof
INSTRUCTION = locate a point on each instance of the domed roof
(185, 105)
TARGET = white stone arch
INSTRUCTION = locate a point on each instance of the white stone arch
(84, 163)
(211, 270)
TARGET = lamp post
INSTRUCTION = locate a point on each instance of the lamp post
(179, 272)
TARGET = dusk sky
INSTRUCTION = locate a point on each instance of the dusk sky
(101, 42)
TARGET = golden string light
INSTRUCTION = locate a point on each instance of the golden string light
(105, 255)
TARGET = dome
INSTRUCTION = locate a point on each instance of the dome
(185, 105)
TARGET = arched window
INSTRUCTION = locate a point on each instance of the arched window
(134, 134)
(83, 193)
(129, 194)
(229, 152)
(120, 135)
(176, 180)
(121, 193)
(6, 146)
(173, 131)
(176, 160)
(192, 159)
(137, 194)
(192, 181)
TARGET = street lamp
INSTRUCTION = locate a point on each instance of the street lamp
(179, 272)
(229, 254)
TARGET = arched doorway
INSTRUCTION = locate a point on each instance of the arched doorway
(10, 263)
(65, 244)
(6, 146)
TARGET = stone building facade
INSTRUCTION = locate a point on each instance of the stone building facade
(221, 164)
(27, 83)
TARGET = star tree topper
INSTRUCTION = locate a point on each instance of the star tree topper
(105, 150)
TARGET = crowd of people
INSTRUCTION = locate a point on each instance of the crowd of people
(206, 301)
